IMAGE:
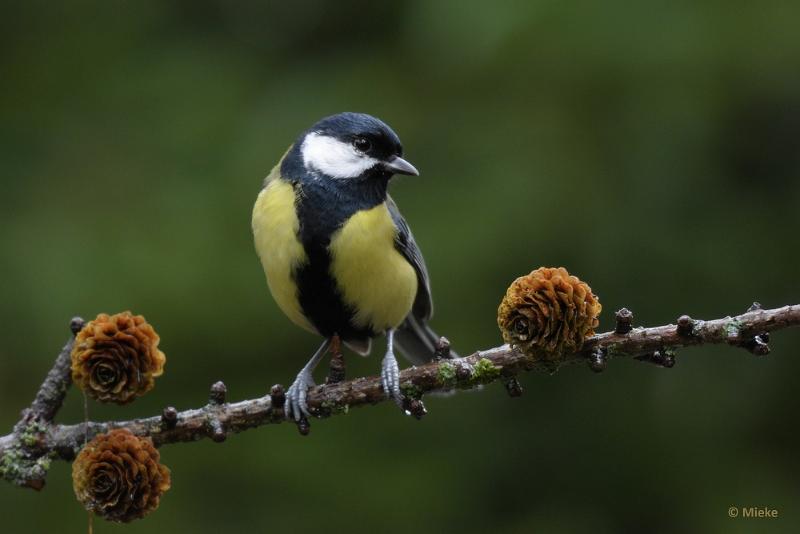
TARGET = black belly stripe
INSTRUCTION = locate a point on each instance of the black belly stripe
(323, 206)
(320, 300)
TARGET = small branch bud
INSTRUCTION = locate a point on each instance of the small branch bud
(598, 361)
(217, 393)
(513, 387)
(661, 358)
(754, 307)
(216, 432)
(463, 372)
(76, 325)
(624, 319)
(442, 349)
(758, 345)
(278, 396)
(169, 417)
(303, 426)
(685, 325)
(414, 407)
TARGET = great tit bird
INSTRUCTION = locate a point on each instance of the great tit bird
(339, 258)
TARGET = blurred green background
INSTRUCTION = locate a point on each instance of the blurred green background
(652, 148)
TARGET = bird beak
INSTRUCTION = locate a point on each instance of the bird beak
(398, 165)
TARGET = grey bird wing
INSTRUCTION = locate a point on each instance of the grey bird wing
(405, 244)
(414, 338)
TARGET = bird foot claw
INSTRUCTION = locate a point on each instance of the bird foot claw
(296, 406)
(390, 379)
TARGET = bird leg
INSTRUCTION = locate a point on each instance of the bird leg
(336, 372)
(296, 405)
(390, 372)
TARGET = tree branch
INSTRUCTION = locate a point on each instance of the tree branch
(26, 453)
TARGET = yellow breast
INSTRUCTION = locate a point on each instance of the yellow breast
(275, 226)
(372, 276)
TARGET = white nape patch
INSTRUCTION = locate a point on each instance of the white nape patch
(335, 158)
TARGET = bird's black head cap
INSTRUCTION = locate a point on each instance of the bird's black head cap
(353, 127)
(347, 146)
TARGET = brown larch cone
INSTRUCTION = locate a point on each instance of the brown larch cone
(115, 358)
(118, 476)
(548, 313)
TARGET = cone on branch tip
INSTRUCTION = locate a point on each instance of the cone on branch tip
(116, 358)
(119, 477)
(548, 313)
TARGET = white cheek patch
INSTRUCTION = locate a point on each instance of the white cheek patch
(335, 158)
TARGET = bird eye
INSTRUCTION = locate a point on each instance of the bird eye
(362, 144)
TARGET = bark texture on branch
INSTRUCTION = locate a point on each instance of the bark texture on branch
(26, 453)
